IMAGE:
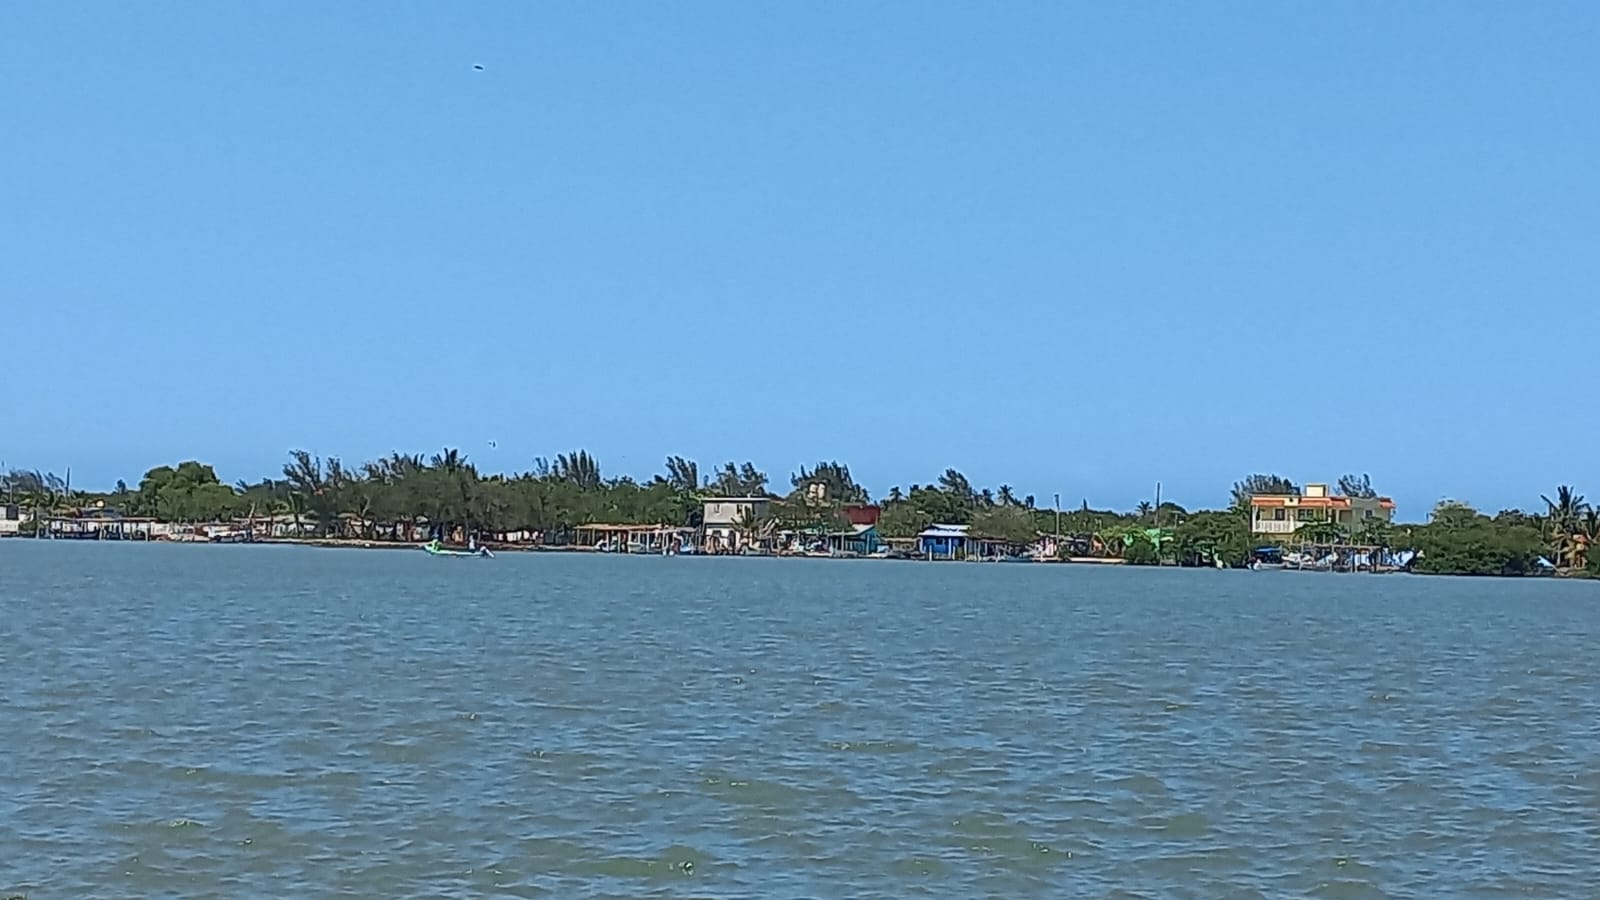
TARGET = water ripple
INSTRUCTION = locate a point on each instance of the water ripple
(195, 721)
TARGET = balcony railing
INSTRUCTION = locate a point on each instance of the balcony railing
(1274, 526)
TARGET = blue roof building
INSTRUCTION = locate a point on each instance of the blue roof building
(943, 542)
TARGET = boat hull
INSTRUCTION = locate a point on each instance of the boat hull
(457, 554)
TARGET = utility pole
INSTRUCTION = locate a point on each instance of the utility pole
(1157, 540)
(1058, 524)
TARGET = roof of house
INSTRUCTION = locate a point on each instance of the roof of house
(862, 513)
(1272, 500)
(944, 531)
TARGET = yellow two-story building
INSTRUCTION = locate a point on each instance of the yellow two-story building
(1287, 513)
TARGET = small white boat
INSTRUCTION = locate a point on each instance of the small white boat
(434, 548)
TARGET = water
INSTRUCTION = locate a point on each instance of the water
(267, 721)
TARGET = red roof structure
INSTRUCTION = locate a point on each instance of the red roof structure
(863, 514)
(1272, 500)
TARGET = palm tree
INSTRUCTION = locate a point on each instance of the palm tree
(579, 469)
(451, 460)
(954, 482)
(1566, 518)
(749, 525)
(1006, 496)
(42, 493)
(1567, 506)
(1144, 510)
(683, 474)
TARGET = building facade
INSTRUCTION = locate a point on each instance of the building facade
(943, 542)
(727, 519)
(1284, 514)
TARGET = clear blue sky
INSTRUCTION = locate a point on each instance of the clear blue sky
(1076, 247)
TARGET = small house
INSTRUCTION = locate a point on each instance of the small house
(728, 521)
(943, 542)
(861, 540)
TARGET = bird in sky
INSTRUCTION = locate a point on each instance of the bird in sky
(477, 68)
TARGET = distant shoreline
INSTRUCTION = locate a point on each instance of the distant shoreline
(330, 543)
(362, 544)
(526, 549)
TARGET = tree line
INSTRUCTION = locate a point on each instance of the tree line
(413, 496)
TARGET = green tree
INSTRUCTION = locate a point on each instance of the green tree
(902, 519)
(1375, 532)
(148, 498)
(740, 481)
(1205, 537)
(804, 513)
(1141, 551)
(1566, 513)
(832, 480)
(751, 526)
(1358, 487)
(190, 492)
(1458, 540)
(579, 469)
(1011, 524)
(41, 494)
(1271, 485)
(308, 481)
(1169, 513)
(683, 474)
(957, 485)
(1322, 533)
(953, 503)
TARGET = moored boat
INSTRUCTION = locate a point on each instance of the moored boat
(434, 548)
(1266, 559)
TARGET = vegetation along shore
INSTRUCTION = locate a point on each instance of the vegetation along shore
(568, 503)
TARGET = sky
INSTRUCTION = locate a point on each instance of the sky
(1080, 248)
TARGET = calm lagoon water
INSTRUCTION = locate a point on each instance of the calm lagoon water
(272, 721)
